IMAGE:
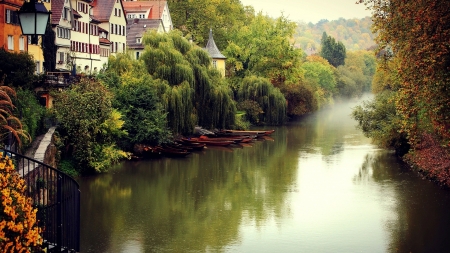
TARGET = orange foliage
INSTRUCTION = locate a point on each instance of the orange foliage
(418, 34)
(18, 228)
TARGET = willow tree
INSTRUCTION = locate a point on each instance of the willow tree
(197, 94)
(270, 99)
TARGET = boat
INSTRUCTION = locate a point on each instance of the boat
(246, 132)
(195, 146)
(222, 143)
(173, 152)
(151, 152)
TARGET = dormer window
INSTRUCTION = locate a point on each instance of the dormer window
(138, 40)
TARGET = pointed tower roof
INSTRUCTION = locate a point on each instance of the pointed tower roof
(212, 48)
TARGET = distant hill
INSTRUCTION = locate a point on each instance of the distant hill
(354, 33)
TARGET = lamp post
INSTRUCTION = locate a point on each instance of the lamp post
(33, 18)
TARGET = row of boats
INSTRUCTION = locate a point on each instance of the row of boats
(183, 146)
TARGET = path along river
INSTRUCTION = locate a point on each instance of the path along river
(318, 186)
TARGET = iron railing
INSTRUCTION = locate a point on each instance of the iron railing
(57, 199)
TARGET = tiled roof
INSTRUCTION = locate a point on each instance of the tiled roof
(212, 49)
(103, 9)
(104, 41)
(57, 8)
(76, 14)
(136, 28)
(155, 7)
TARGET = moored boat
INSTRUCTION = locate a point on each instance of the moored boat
(209, 142)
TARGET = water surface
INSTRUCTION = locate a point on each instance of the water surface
(318, 186)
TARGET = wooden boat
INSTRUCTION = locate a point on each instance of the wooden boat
(173, 152)
(209, 142)
(247, 132)
(151, 152)
(195, 146)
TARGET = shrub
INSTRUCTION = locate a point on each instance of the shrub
(18, 226)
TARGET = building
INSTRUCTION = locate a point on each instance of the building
(62, 20)
(136, 29)
(11, 38)
(111, 16)
(154, 9)
(218, 59)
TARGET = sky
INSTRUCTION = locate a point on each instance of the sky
(309, 10)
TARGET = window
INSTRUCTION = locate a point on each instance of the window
(10, 42)
(141, 15)
(65, 13)
(138, 40)
(214, 63)
(38, 67)
(112, 29)
(120, 12)
(137, 55)
(11, 17)
(21, 43)
(61, 58)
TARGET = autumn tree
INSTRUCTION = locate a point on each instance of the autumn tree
(417, 34)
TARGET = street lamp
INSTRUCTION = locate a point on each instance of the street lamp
(33, 18)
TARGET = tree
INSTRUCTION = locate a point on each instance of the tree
(270, 99)
(89, 126)
(49, 48)
(196, 93)
(196, 18)
(263, 48)
(333, 51)
(417, 34)
(16, 69)
(136, 97)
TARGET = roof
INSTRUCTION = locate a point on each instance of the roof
(57, 8)
(136, 28)
(155, 7)
(103, 9)
(104, 41)
(75, 13)
(212, 49)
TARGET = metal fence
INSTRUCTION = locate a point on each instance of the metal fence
(57, 198)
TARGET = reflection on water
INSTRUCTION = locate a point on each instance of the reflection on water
(318, 186)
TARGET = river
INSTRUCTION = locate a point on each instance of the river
(318, 186)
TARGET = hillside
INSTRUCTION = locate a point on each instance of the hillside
(354, 33)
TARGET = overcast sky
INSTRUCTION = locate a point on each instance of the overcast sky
(309, 10)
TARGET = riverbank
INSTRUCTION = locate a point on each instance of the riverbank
(431, 160)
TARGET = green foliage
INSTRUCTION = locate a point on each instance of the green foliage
(301, 99)
(68, 166)
(263, 48)
(145, 119)
(89, 124)
(378, 119)
(320, 75)
(195, 18)
(196, 94)
(354, 33)
(16, 69)
(30, 112)
(252, 111)
(333, 51)
(269, 98)
(49, 48)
